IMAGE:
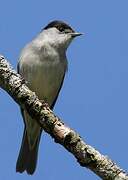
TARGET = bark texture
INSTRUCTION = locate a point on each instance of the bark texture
(86, 155)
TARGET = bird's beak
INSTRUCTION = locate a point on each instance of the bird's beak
(75, 34)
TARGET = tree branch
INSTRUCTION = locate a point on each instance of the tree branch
(86, 155)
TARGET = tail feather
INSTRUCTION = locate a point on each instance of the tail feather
(27, 158)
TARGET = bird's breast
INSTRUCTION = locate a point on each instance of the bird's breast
(44, 77)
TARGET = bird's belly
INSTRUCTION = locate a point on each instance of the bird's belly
(45, 80)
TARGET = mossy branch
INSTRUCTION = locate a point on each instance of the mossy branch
(86, 155)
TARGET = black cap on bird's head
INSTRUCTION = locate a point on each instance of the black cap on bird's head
(62, 27)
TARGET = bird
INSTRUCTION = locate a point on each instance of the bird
(43, 64)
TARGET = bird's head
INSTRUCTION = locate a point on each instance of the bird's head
(60, 34)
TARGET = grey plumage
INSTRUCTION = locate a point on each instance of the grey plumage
(42, 64)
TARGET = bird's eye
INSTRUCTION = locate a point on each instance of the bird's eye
(61, 29)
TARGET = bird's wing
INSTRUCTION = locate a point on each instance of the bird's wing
(52, 106)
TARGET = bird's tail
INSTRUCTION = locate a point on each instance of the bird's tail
(27, 158)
